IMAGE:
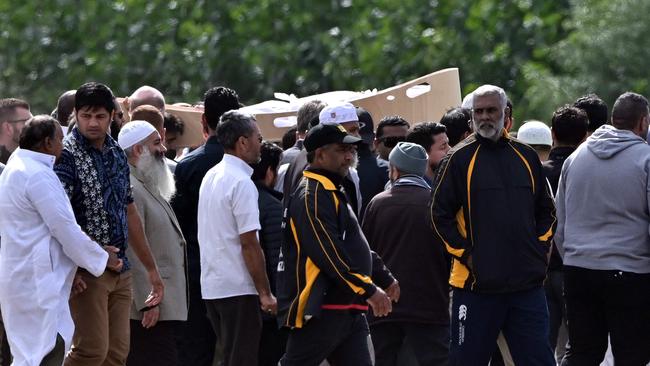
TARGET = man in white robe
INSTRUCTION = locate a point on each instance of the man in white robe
(42, 245)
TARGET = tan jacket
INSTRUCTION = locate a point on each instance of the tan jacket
(168, 248)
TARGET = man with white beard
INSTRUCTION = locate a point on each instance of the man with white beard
(153, 328)
(493, 210)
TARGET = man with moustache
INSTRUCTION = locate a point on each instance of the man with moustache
(41, 249)
(153, 328)
(493, 210)
(325, 281)
(234, 283)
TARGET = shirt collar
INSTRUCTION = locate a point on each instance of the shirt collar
(237, 163)
(45, 159)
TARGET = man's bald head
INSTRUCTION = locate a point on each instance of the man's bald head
(64, 107)
(147, 95)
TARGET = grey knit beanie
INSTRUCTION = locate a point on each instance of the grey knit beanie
(409, 158)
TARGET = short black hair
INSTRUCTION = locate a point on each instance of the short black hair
(457, 122)
(269, 158)
(423, 133)
(595, 108)
(233, 125)
(569, 125)
(216, 102)
(628, 109)
(94, 95)
(307, 113)
(390, 121)
(8, 107)
(36, 130)
(174, 124)
(289, 138)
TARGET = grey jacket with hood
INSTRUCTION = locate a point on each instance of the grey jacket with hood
(603, 203)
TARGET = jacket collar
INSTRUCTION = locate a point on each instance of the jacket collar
(502, 141)
(261, 187)
(330, 181)
(561, 153)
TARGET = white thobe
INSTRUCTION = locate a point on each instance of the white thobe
(42, 245)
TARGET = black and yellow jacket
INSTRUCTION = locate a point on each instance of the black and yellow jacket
(325, 262)
(491, 202)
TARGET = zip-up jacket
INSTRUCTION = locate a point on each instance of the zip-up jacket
(325, 262)
(492, 203)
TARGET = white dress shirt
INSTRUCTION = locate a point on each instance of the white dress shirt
(227, 208)
(41, 248)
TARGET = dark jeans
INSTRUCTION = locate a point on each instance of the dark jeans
(477, 319)
(238, 324)
(55, 357)
(429, 342)
(602, 303)
(196, 339)
(554, 288)
(338, 336)
(153, 346)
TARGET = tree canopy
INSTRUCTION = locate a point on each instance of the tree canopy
(544, 53)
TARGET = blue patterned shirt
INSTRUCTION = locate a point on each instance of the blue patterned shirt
(97, 183)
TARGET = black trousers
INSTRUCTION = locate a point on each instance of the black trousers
(153, 346)
(338, 336)
(56, 355)
(429, 342)
(273, 342)
(554, 287)
(602, 303)
(238, 324)
(195, 338)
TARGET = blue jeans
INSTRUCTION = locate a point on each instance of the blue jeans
(477, 319)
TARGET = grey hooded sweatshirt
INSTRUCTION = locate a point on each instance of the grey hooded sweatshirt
(603, 203)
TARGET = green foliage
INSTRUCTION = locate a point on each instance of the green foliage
(544, 53)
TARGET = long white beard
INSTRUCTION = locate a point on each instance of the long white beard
(488, 130)
(156, 174)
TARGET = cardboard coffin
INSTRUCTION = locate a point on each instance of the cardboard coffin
(422, 99)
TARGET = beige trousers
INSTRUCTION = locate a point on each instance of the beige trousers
(101, 318)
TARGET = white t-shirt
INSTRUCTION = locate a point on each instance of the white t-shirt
(227, 208)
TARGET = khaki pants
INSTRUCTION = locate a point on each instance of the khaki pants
(101, 318)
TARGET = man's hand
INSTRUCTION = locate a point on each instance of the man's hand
(150, 317)
(380, 303)
(393, 291)
(269, 304)
(114, 263)
(78, 285)
(157, 289)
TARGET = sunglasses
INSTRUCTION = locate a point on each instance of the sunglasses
(391, 141)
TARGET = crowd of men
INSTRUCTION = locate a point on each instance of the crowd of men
(404, 243)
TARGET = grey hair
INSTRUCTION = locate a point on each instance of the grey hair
(233, 125)
(488, 89)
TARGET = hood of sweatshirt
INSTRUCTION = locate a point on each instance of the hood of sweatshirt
(608, 141)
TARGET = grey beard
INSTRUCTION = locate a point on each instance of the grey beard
(489, 131)
(156, 174)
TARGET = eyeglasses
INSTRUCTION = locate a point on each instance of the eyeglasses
(391, 141)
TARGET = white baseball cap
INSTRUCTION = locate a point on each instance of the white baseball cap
(337, 113)
(535, 133)
(133, 132)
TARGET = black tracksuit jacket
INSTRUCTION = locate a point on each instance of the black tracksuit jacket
(491, 201)
(325, 262)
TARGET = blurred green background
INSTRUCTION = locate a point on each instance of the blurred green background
(543, 52)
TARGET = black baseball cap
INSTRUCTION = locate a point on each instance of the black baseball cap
(321, 135)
